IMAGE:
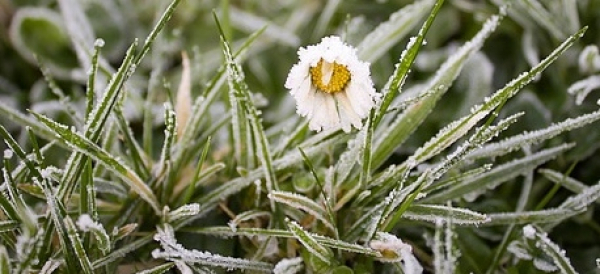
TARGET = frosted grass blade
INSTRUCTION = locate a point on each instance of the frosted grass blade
(412, 117)
(225, 231)
(160, 269)
(82, 257)
(90, 149)
(435, 213)
(564, 180)
(396, 81)
(516, 142)
(583, 199)
(95, 123)
(171, 250)
(530, 217)
(478, 184)
(303, 203)
(310, 243)
(240, 89)
(388, 33)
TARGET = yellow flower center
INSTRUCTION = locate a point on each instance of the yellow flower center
(330, 77)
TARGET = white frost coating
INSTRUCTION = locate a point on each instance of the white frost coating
(544, 265)
(350, 156)
(288, 266)
(582, 88)
(444, 214)
(99, 43)
(589, 59)
(183, 268)
(334, 109)
(517, 249)
(303, 203)
(174, 251)
(85, 223)
(583, 199)
(516, 142)
(184, 211)
(391, 248)
(49, 267)
(529, 232)
(8, 154)
(439, 84)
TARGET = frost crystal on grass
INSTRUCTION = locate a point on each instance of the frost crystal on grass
(176, 252)
(8, 154)
(288, 266)
(332, 87)
(529, 231)
(85, 223)
(589, 59)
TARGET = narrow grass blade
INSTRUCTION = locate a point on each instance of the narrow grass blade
(170, 136)
(435, 213)
(412, 117)
(4, 261)
(530, 217)
(158, 269)
(82, 257)
(95, 123)
(241, 91)
(310, 243)
(516, 142)
(396, 81)
(564, 180)
(224, 231)
(8, 225)
(388, 33)
(160, 24)
(89, 148)
(303, 203)
(15, 116)
(583, 199)
(480, 183)
(174, 251)
(135, 151)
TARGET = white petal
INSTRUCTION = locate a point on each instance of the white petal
(305, 104)
(324, 113)
(347, 115)
(360, 99)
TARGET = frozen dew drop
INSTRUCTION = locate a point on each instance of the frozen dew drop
(99, 43)
(8, 154)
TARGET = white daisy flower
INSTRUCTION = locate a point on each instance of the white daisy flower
(332, 88)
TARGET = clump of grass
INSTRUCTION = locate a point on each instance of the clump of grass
(210, 176)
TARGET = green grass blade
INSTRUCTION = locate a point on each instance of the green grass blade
(477, 184)
(433, 213)
(80, 252)
(412, 117)
(394, 85)
(310, 243)
(241, 91)
(303, 203)
(95, 123)
(530, 217)
(388, 33)
(158, 269)
(85, 146)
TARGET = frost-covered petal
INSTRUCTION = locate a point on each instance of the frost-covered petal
(348, 116)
